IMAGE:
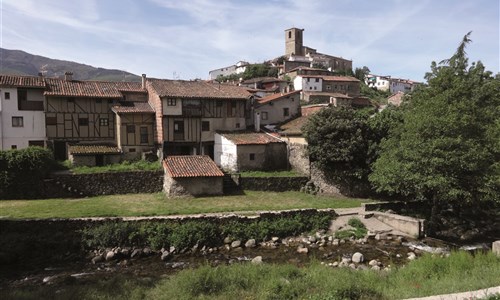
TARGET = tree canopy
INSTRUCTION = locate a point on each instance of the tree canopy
(448, 147)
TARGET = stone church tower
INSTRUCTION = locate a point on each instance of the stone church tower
(294, 42)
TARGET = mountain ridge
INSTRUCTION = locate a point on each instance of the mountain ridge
(18, 62)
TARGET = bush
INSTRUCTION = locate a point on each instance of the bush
(109, 234)
(22, 171)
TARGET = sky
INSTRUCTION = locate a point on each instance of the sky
(185, 39)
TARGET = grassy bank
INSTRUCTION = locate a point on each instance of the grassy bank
(124, 166)
(158, 204)
(426, 276)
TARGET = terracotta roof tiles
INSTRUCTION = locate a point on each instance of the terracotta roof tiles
(250, 138)
(133, 108)
(22, 81)
(277, 96)
(197, 89)
(191, 166)
(93, 149)
(333, 78)
(75, 88)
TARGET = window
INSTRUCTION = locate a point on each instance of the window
(51, 120)
(237, 125)
(83, 121)
(317, 79)
(36, 143)
(252, 156)
(171, 102)
(130, 128)
(131, 150)
(103, 122)
(144, 135)
(17, 122)
(13, 147)
(286, 112)
(205, 126)
(289, 34)
(7, 96)
(328, 87)
(264, 115)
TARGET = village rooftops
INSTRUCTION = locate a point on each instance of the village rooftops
(93, 149)
(133, 108)
(22, 81)
(262, 80)
(330, 94)
(294, 127)
(276, 97)
(250, 138)
(84, 89)
(191, 166)
(197, 89)
(308, 69)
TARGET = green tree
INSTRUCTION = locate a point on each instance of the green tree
(447, 148)
(338, 141)
(360, 73)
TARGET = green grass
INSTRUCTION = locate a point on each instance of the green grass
(158, 204)
(124, 166)
(359, 230)
(428, 275)
(270, 174)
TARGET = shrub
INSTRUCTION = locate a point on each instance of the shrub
(109, 234)
(188, 234)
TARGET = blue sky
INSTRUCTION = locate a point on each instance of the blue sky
(186, 39)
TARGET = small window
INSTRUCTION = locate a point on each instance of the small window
(252, 156)
(286, 112)
(171, 102)
(205, 126)
(13, 147)
(328, 87)
(17, 122)
(131, 150)
(130, 128)
(317, 79)
(237, 125)
(263, 115)
(51, 120)
(83, 121)
(7, 96)
(103, 122)
(144, 135)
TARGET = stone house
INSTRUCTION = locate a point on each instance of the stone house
(246, 151)
(22, 119)
(188, 113)
(396, 99)
(94, 155)
(278, 108)
(192, 175)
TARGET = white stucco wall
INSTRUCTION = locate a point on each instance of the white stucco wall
(225, 153)
(33, 121)
(308, 84)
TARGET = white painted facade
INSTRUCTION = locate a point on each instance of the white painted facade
(237, 68)
(400, 85)
(308, 84)
(19, 127)
(225, 153)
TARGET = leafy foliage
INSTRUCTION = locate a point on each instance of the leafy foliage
(447, 148)
(23, 170)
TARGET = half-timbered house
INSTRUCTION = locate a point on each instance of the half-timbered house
(188, 113)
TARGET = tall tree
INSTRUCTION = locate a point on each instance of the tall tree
(447, 149)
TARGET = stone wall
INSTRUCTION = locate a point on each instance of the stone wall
(273, 184)
(111, 183)
(298, 158)
(192, 186)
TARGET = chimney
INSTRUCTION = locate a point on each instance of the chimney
(257, 121)
(143, 81)
(68, 76)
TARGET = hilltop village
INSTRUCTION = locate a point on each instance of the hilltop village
(240, 124)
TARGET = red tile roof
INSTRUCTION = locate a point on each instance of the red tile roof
(250, 138)
(197, 89)
(135, 87)
(191, 166)
(277, 96)
(294, 127)
(75, 88)
(93, 149)
(133, 108)
(337, 95)
(22, 81)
